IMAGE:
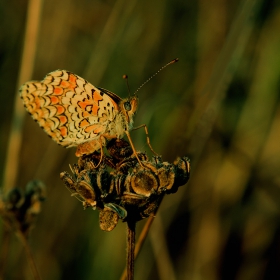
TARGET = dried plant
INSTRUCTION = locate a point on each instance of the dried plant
(19, 211)
(123, 188)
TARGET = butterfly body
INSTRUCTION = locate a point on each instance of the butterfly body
(75, 113)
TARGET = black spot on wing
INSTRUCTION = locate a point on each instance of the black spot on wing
(61, 73)
(76, 124)
(79, 136)
(49, 111)
(53, 123)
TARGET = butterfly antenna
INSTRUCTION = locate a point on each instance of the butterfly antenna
(127, 84)
(171, 62)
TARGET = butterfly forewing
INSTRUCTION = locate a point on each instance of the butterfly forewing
(70, 109)
(115, 97)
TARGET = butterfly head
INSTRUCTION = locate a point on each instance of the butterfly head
(128, 107)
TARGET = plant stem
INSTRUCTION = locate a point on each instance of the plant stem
(130, 249)
(140, 241)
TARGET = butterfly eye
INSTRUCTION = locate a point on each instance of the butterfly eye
(127, 106)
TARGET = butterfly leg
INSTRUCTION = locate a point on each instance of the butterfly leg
(92, 146)
(132, 146)
(147, 136)
(101, 152)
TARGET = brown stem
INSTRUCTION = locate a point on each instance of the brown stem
(141, 239)
(140, 242)
(143, 235)
(130, 249)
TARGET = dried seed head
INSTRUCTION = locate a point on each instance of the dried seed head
(108, 219)
(183, 168)
(166, 176)
(129, 191)
(14, 199)
(122, 213)
(20, 208)
(68, 181)
(119, 149)
(86, 191)
(103, 181)
(144, 183)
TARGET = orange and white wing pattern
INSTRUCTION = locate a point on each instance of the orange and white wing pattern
(70, 110)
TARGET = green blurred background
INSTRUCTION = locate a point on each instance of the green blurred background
(219, 105)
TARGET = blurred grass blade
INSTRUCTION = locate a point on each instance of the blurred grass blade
(25, 74)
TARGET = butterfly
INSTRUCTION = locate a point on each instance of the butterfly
(73, 112)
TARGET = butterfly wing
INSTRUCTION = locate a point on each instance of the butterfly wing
(70, 109)
(115, 97)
